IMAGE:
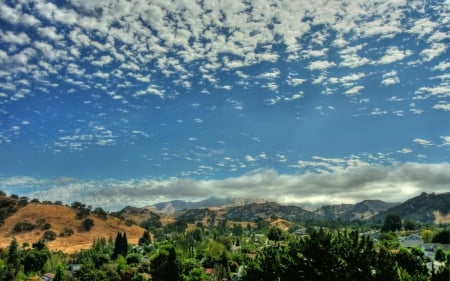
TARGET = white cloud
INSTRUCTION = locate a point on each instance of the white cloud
(103, 60)
(320, 65)
(442, 66)
(349, 181)
(442, 91)
(250, 158)
(13, 38)
(354, 91)
(393, 54)
(50, 32)
(295, 81)
(442, 106)
(445, 140)
(422, 27)
(270, 75)
(423, 142)
(378, 111)
(436, 50)
(405, 151)
(390, 81)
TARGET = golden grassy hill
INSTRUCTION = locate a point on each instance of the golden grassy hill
(61, 217)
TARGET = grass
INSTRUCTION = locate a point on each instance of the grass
(61, 217)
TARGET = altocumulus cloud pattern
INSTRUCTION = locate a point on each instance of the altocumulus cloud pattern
(130, 102)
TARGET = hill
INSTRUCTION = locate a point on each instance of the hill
(60, 219)
(426, 208)
(251, 212)
(361, 211)
(170, 207)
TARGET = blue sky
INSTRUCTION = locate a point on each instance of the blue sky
(120, 103)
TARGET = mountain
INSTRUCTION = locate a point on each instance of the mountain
(361, 211)
(137, 215)
(251, 212)
(426, 208)
(170, 207)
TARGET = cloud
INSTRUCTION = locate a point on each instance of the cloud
(423, 142)
(442, 66)
(351, 183)
(393, 54)
(445, 140)
(436, 50)
(442, 106)
(13, 38)
(320, 65)
(404, 151)
(354, 91)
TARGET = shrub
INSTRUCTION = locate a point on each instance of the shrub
(49, 235)
(87, 224)
(67, 232)
(23, 226)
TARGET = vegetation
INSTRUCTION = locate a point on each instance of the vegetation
(216, 249)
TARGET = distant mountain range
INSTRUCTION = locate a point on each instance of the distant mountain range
(361, 211)
(171, 207)
(426, 208)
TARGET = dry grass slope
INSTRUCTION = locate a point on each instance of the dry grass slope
(61, 217)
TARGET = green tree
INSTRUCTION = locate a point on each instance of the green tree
(120, 245)
(49, 235)
(412, 262)
(442, 237)
(392, 223)
(87, 224)
(60, 274)
(164, 265)
(196, 274)
(427, 235)
(35, 260)
(440, 255)
(145, 240)
(275, 234)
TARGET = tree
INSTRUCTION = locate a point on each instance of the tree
(49, 235)
(120, 245)
(87, 224)
(164, 265)
(101, 213)
(427, 235)
(34, 260)
(60, 274)
(275, 234)
(145, 240)
(442, 237)
(392, 223)
(440, 255)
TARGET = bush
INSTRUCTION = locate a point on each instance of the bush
(46, 226)
(87, 224)
(23, 226)
(49, 235)
(67, 232)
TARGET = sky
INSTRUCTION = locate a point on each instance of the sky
(117, 103)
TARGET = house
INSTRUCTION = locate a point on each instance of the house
(48, 277)
(412, 240)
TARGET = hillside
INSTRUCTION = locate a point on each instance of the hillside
(361, 211)
(61, 218)
(251, 212)
(427, 208)
(170, 207)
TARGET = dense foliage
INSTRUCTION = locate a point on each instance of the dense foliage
(229, 252)
(259, 250)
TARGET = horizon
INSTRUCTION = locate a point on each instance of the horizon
(130, 103)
